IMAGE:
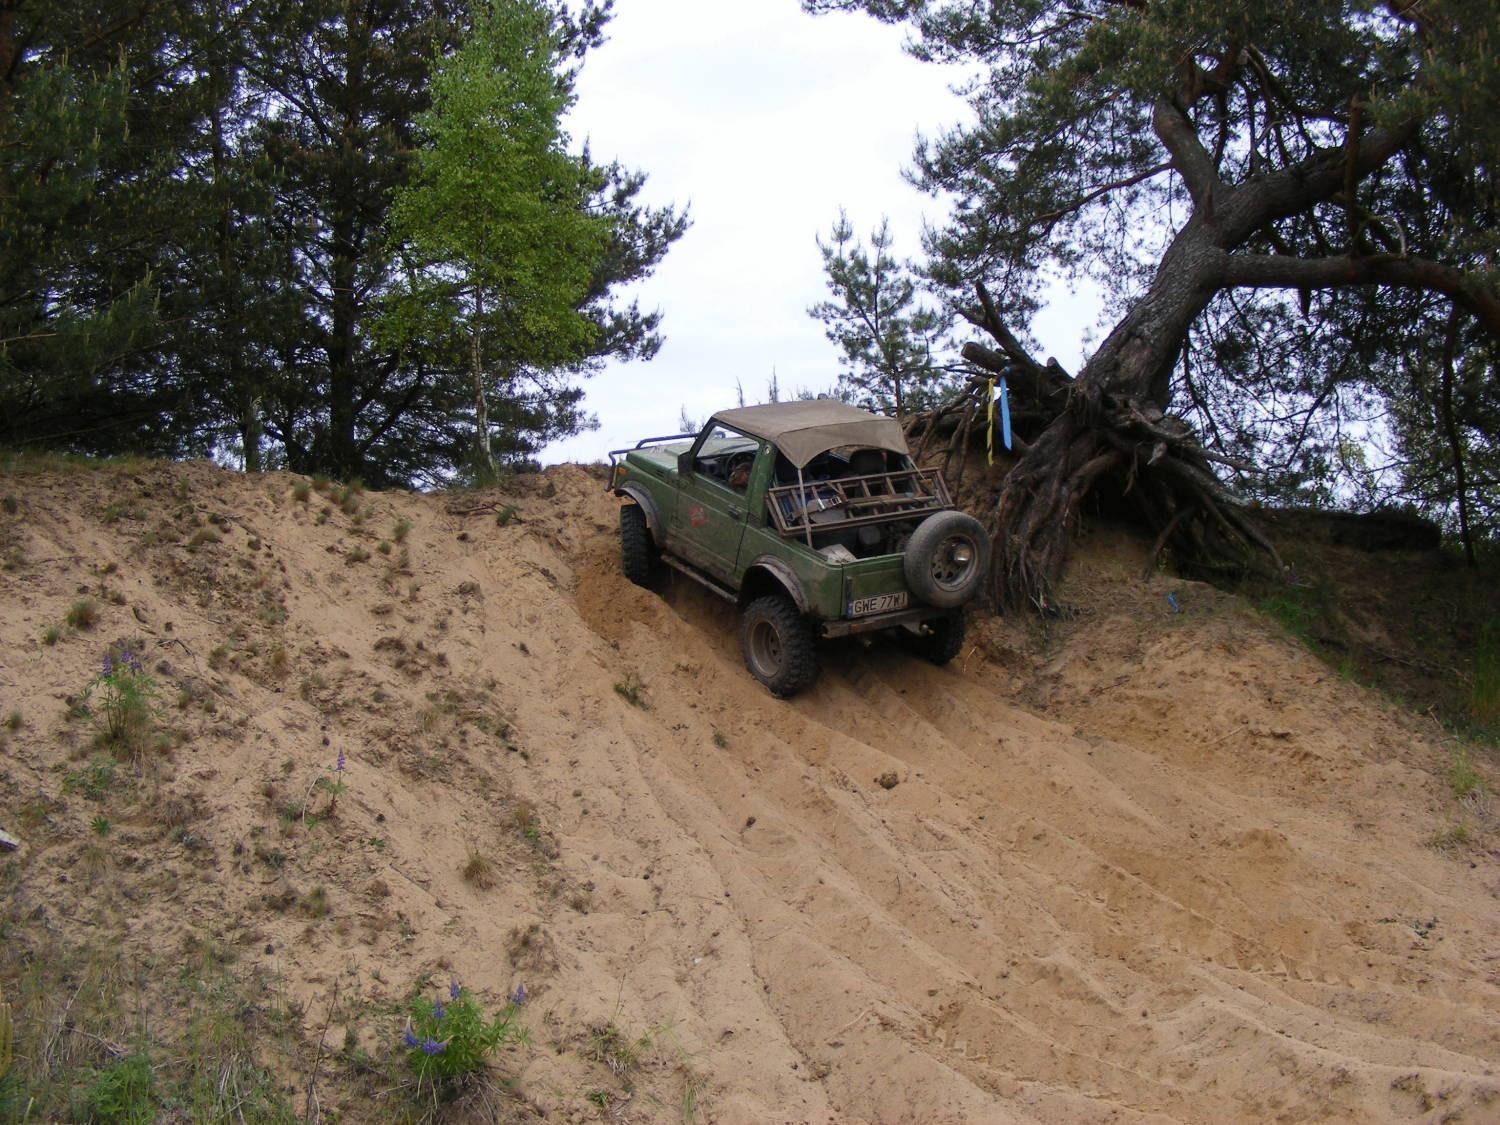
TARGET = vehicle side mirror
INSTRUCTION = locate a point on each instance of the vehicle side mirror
(685, 463)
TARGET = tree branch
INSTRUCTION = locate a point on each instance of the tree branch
(1084, 200)
(1277, 271)
(1189, 157)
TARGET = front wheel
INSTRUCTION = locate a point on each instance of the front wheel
(637, 552)
(778, 644)
(943, 640)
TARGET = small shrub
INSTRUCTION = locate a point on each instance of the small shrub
(51, 635)
(10, 504)
(100, 825)
(334, 786)
(358, 555)
(720, 740)
(201, 537)
(92, 781)
(448, 1042)
(14, 722)
(123, 1093)
(301, 492)
(401, 530)
(127, 702)
(385, 547)
(505, 515)
(632, 690)
(83, 614)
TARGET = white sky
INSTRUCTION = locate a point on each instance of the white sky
(765, 121)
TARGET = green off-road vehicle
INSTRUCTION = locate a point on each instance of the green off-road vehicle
(812, 518)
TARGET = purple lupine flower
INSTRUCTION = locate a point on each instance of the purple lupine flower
(454, 991)
(339, 768)
(518, 997)
(438, 1011)
(108, 664)
(433, 1047)
(408, 1038)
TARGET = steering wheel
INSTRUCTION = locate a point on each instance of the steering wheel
(739, 463)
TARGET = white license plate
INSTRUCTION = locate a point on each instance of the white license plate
(880, 603)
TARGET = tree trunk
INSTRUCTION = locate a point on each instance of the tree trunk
(343, 457)
(481, 402)
(1450, 343)
(250, 434)
(1111, 420)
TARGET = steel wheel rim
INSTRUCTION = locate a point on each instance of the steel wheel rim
(953, 561)
(765, 647)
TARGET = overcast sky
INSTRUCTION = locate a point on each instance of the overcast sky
(765, 121)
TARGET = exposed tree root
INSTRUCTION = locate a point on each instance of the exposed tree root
(1070, 437)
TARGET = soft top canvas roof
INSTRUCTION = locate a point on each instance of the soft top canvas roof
(803, 429)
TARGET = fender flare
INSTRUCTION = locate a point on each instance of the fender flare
(782, 573)
(647, 504)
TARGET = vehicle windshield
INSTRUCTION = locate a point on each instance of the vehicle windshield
(721, 441)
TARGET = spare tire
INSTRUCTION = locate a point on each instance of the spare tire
(947, 558)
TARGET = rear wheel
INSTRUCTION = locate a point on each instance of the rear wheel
(778, 644)
(944, 639)
(637, 552)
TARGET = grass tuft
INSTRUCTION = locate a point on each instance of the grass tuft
(1452, 839)
(1463, 778)
(83, 614)
(632, 691)
(479, 870)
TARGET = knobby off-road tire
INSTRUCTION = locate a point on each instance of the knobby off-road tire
(947, 559)
(944, 642)
(637, 552)
(778, 644)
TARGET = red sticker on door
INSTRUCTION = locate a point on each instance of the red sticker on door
(697, 516)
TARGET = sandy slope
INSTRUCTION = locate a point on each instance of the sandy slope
(1150, 866)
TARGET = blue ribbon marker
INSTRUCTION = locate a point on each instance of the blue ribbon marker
(1004, 413)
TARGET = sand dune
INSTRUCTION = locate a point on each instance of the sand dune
(1143, 867)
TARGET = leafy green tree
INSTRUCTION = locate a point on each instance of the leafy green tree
(495, 235)
(1244, 172)
(372, 383)
(877, 316)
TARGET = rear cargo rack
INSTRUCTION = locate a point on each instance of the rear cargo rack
(799, 509)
